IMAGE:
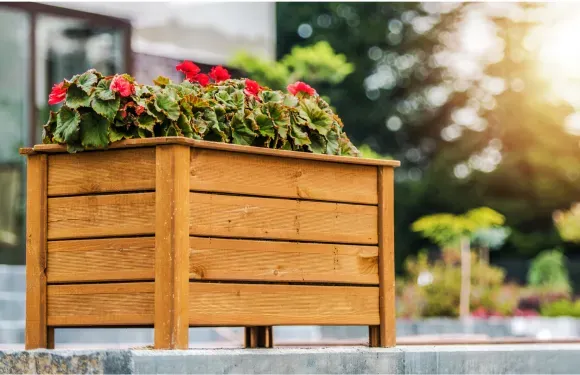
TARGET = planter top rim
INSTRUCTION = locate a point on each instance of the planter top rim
(148, 142)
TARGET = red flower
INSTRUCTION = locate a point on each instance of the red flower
(219, 73)
(297, 87)
(121, 85)
(58, 94)
(252, 88)
(140, 109)
(189, 69)
(202, 79)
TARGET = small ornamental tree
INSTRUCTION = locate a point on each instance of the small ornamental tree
(448, 229)
(99, 110)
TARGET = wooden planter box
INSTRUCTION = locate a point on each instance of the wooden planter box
(174, 233)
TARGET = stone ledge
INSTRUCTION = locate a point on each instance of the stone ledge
(452, 359)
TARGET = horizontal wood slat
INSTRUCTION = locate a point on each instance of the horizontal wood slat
(212, 304)
(227, 259)
(112, 215)
(228, 172)
(270, 218)
(109, 259)
(100, 304)
(101, 172)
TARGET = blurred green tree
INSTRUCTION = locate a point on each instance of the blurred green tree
(568, 223)
(472, 126)
(548, 270)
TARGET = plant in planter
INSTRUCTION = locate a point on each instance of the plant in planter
(153, 225)
(100, 110)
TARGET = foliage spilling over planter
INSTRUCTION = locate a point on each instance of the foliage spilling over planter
(99, 110)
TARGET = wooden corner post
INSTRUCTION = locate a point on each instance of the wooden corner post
(385, 334)
(36, 335)
(172, 247)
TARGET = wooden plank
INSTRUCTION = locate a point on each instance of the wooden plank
(100, 172)
(225, 304)
(101, 304)
(247, 174)
(284, 219)
(108, 259)
(96, 216)
(386, 187)
(172, 247)
(36, 212)
(235, 259)
(148, 142)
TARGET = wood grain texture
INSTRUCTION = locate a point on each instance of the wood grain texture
(172, 247)
(147, 142)
(214, 304)
(100, 172)
(108, 259)
(101, 304)
(101, 216)
(386, 185)
(36, 216)
(284, 219)
(247, 174)
(234, 259)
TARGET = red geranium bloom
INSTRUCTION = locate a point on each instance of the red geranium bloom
(202, 79)
(140, 109)
(121, 85)
(189, 69)
(58, 94)
(297, 87)
(219, 73)
(252, 88)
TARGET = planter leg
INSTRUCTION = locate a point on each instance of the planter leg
(259, 337)
(50, 338)
(36, 242)
(374, 336)
(386, 192)
(171, 321)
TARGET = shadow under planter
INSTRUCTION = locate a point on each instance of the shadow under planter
(175, 233)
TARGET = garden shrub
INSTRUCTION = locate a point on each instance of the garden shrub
(562, 307)
(548, 270)
(433, 288)
(99, 110)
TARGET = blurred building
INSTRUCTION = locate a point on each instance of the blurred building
(40, 44)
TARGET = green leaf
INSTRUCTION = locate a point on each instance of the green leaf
(49, 128)
(161, 81)
(241, 134)
(299, 136)
(87, 81)
(317, 119)
(238, 99)
(67, 125)
(94, 131)
(168, 105)
(145, 122)
(171, 131)
(103, 90)
(73, 148)
(318, 143)
(265, 126)
(271, 96)
(290, 101)
(75, 97)
(279, 118)
(332, 147)
(184, 126)
(106, 108)
(117, 134)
